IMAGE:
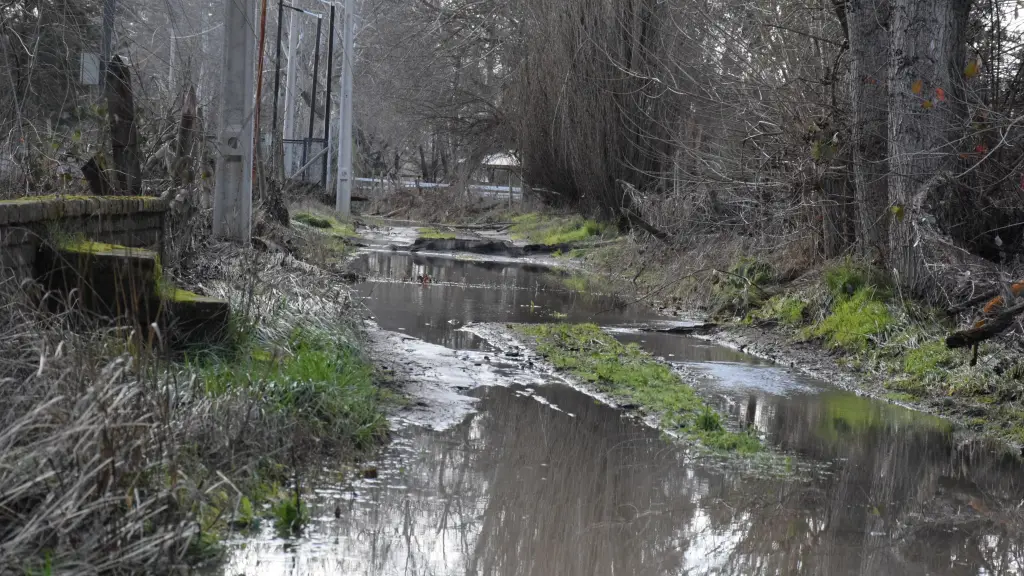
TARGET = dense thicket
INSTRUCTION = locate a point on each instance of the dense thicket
(886, 125)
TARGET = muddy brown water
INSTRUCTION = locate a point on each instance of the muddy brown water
(543, 480)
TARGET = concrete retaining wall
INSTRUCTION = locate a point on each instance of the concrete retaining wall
(26, 223)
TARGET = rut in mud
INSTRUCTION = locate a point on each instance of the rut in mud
(498, 467)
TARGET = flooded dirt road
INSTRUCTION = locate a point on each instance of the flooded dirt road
(535, 478)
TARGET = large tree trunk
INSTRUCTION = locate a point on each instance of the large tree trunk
(866, 22)
(926, 115)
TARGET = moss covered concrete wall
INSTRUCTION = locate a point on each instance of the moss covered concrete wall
(26, 223)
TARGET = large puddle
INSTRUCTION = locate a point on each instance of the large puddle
(544, 480)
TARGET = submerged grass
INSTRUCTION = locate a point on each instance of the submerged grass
(552, 230)
(628, 373)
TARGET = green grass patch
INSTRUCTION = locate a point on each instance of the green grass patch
(435, 234)
(551, 230)
(855, 322)
(930, 360)
(629, 374)
(786, 310)
(846, 279)
(322, 383)
(327, 224)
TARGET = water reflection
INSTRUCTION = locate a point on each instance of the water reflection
(523, 489)
(461, 292)
(546, 481)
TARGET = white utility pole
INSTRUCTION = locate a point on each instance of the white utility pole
(289, 92)
(170, 74)
(232, 200)
(107, 39)
(343, 202)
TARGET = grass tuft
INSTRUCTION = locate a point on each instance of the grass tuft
(855, 322)
(553, 230)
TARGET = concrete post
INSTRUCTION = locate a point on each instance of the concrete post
(343, 200)
(232, 208)
(289, 93)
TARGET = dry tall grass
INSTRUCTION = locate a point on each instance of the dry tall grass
(114, 458)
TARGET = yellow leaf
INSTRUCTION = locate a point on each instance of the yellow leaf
(973, 68)
(917, 86)
(926, 104)
(897, 211)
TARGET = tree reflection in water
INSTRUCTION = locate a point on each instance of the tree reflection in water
(522, 488)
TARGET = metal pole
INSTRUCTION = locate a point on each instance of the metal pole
(277, 75)
(289, 93)
(232, 208)
(343, 202)
(326, 175)
(312, 96)
(107, 38)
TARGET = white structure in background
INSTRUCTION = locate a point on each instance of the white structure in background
(343, 200)
(232, 207)
(90, 69)
(502, 169)
(289, 93)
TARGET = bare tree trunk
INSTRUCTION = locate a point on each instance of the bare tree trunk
(927, 55)
(866, 22)
(123, 131)
(183, 172)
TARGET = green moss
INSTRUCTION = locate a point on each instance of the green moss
(54, 197)
(553, 230)
(327, 224)
(629, 374)
(435, 234)
(82, 246)
(855, 322)
(313, 220)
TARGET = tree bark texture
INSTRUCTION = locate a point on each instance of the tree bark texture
(186, 141)
(866, 23)
(123, 130)
(926, 116)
